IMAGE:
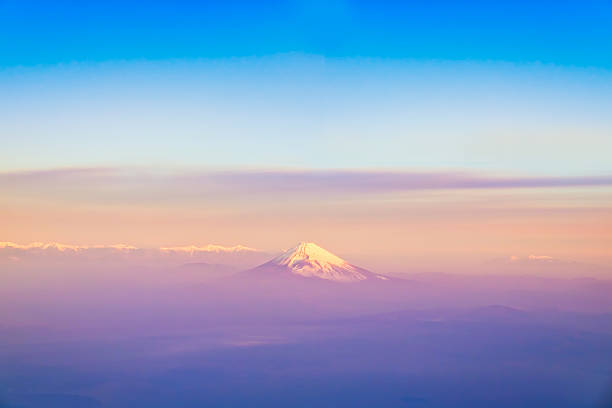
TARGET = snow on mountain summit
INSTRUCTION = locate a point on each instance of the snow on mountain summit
(309, 260)
(308, 252)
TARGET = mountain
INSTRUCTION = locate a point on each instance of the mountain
(308, 260)
(44, 254)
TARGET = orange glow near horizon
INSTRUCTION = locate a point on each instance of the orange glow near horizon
(436, 226)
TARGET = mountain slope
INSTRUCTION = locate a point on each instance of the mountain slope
(308, 260)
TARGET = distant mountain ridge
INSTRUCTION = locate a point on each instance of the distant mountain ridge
(48, 252)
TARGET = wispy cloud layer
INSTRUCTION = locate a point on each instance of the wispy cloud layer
(381, 181)
(356, 181)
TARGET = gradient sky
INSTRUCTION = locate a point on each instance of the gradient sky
(198, 122)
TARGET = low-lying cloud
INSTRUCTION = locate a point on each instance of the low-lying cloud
(189, 183)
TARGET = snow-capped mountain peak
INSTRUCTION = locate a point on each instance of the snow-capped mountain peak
(309, 260)
(308, 252)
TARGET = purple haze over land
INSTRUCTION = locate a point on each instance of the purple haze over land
(112, 334)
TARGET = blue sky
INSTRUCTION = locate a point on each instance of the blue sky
(568, 33)
(522, 87)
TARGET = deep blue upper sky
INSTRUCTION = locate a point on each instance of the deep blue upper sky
(567, 33)
(511, 86)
